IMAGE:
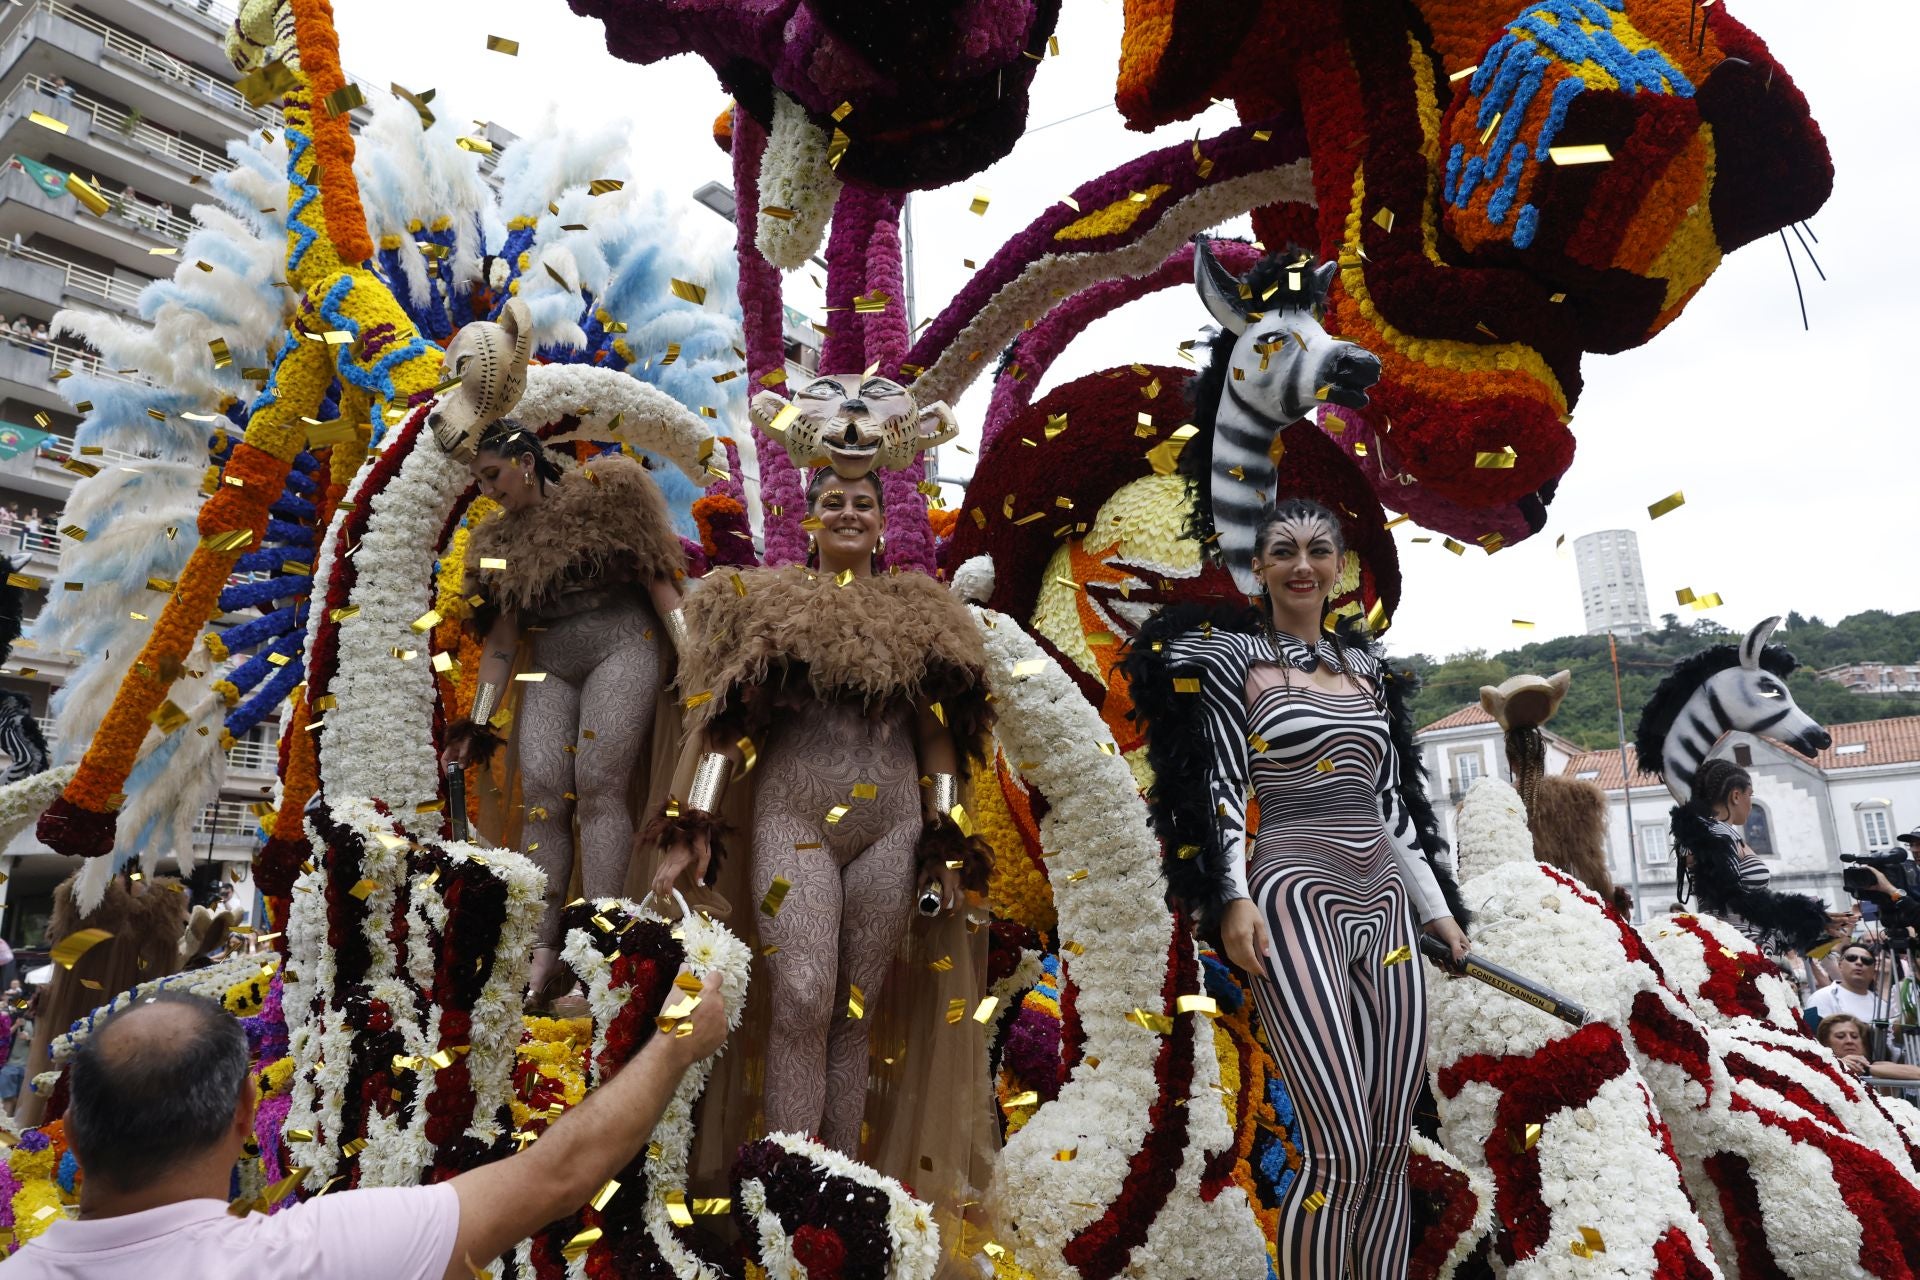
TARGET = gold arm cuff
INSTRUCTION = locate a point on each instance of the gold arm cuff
(710, 778)
(678, 631)
(486, 704)
(946, 792)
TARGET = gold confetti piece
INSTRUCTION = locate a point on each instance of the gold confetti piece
(1711, 600)
(1384, 220)
(1592, 153)
(1684, 595)
(500, 44)
(1495, 459)
(26, 582)
(688, 292)
(981, 198)
(1399, 955)
(1028, 667)
(856, 1002)
(1462, 74)
(1158, 1023)
(1077, 876)
(956, 1011)
(606, 186)
(1028, 1098)
(1458, 548)
(80, 468)
(1672, 502)
(1523, 624)
(343, 100)
(1198, 1004)
(1589, 1243)
(1524, 1139)
(1557, 297)
(47, 122)
(531, 677)
(1491, 126)
(167, 717)
(983, 1013)
(586, 1238)
(1315, 1202)
(362, 889)
(1324, 766)
(604, 1194)
(776, 895)
(708, 1206)
(67, 952)
(677, 1209)
(478, 146)
(865, 790)
(1066, 1153)
(75, 532)
(836, 813)
(425, 622)
(344, 612)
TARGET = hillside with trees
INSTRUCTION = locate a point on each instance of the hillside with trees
(1587, 715)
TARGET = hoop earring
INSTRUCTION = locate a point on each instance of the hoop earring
(880, 545)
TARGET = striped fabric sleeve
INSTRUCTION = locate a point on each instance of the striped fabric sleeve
(1219, 662)
(1423, 887)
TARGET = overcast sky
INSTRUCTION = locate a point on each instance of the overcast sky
(1801, 484)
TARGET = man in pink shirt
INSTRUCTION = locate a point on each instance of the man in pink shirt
(161, 1104)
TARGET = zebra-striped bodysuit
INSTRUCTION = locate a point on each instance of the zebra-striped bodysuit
(1348, 1029)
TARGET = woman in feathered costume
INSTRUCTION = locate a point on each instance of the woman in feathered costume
(580, 567)
(857, 697)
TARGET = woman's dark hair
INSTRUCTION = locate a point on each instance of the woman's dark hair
(819, 480)
(1831, 1023)
(511, 441)
(1715, 782)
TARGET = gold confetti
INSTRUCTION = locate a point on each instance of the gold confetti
(47, 122)
(1399, 955)
(1066, 1153)
(1315, 1202)
(981, 198)
(1159, 1023)
(983, 1013)
(865, 790)
(856, 1002)
(1672, 502)
(1028, 1098)
(1524, 1140)
(361, 889)
(585, 1239)
(1523, 624)
(67, 952)
(26, 582)
(604, 1194)
(776, 895)
(1462, 74)
(1198, 1004)
(531, 677)
(1495, 459)
(343, 100)
(1592, 153)
(836, 813)
(1384, 220)
(1711, 600)
(425, 622)
(1458, 548)
(1028, 667)
(1589, 1243)
(688, 292)
(956, 1011)
(500, 44)
(167, 717)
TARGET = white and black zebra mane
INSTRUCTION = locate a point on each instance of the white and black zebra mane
(1673, 693)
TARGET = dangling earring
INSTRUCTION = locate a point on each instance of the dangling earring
(880, 546)
(813, 551)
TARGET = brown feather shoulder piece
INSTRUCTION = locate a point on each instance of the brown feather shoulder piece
(878, 643)
(604, 522)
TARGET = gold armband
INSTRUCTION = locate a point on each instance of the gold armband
(486, 704)
(678, 631)
(946, 793)
(710, 778)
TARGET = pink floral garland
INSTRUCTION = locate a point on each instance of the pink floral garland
(781, 496)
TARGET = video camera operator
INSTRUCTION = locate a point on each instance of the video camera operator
(1877, 984)
(1889, 881)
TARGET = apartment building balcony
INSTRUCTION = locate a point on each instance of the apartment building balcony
(58, 282)
(117, 151)
(27, 370)
(75, 105)
(125, 236)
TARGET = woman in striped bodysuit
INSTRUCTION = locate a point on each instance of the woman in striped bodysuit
(1323, 917)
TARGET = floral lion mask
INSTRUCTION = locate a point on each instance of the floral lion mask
(854, 424)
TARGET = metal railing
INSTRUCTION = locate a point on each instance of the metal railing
(77, 359)
(226, 818)
(158, 62)
(79, 279)
(126, 124)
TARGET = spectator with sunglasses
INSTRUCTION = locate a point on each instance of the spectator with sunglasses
(1853, 993)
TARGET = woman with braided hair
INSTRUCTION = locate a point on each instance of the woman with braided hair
(580, 568)
(1322, 917)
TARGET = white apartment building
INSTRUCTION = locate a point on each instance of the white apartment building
(1613, 590)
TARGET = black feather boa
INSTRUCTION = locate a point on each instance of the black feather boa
(1785, 921)
(1193, 855)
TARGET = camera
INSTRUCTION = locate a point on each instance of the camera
(1900, 871)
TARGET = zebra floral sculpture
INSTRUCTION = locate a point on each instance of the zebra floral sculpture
(1707, 696)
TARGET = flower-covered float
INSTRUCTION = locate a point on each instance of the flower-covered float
(1145, 1130)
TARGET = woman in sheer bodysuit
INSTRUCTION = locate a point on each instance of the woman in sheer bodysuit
(581, 565)
(856, 686)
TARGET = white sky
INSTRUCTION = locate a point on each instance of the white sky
(1800, 481)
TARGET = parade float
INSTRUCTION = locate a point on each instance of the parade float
(1458, 201)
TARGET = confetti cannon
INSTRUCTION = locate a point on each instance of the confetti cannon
(1504, 979)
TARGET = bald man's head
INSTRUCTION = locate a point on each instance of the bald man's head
(157, 1084)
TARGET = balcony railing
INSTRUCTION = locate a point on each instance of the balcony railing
(125, 48)
(128, 126)
(78, 279)
(248, 755)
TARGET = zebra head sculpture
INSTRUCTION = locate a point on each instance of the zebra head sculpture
(1715, 692)
(1280, 367)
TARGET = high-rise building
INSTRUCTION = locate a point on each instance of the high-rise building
(135, 97)
(1613, 591)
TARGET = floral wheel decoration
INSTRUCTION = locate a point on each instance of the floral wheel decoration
(632, 962)
(806, 1212)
